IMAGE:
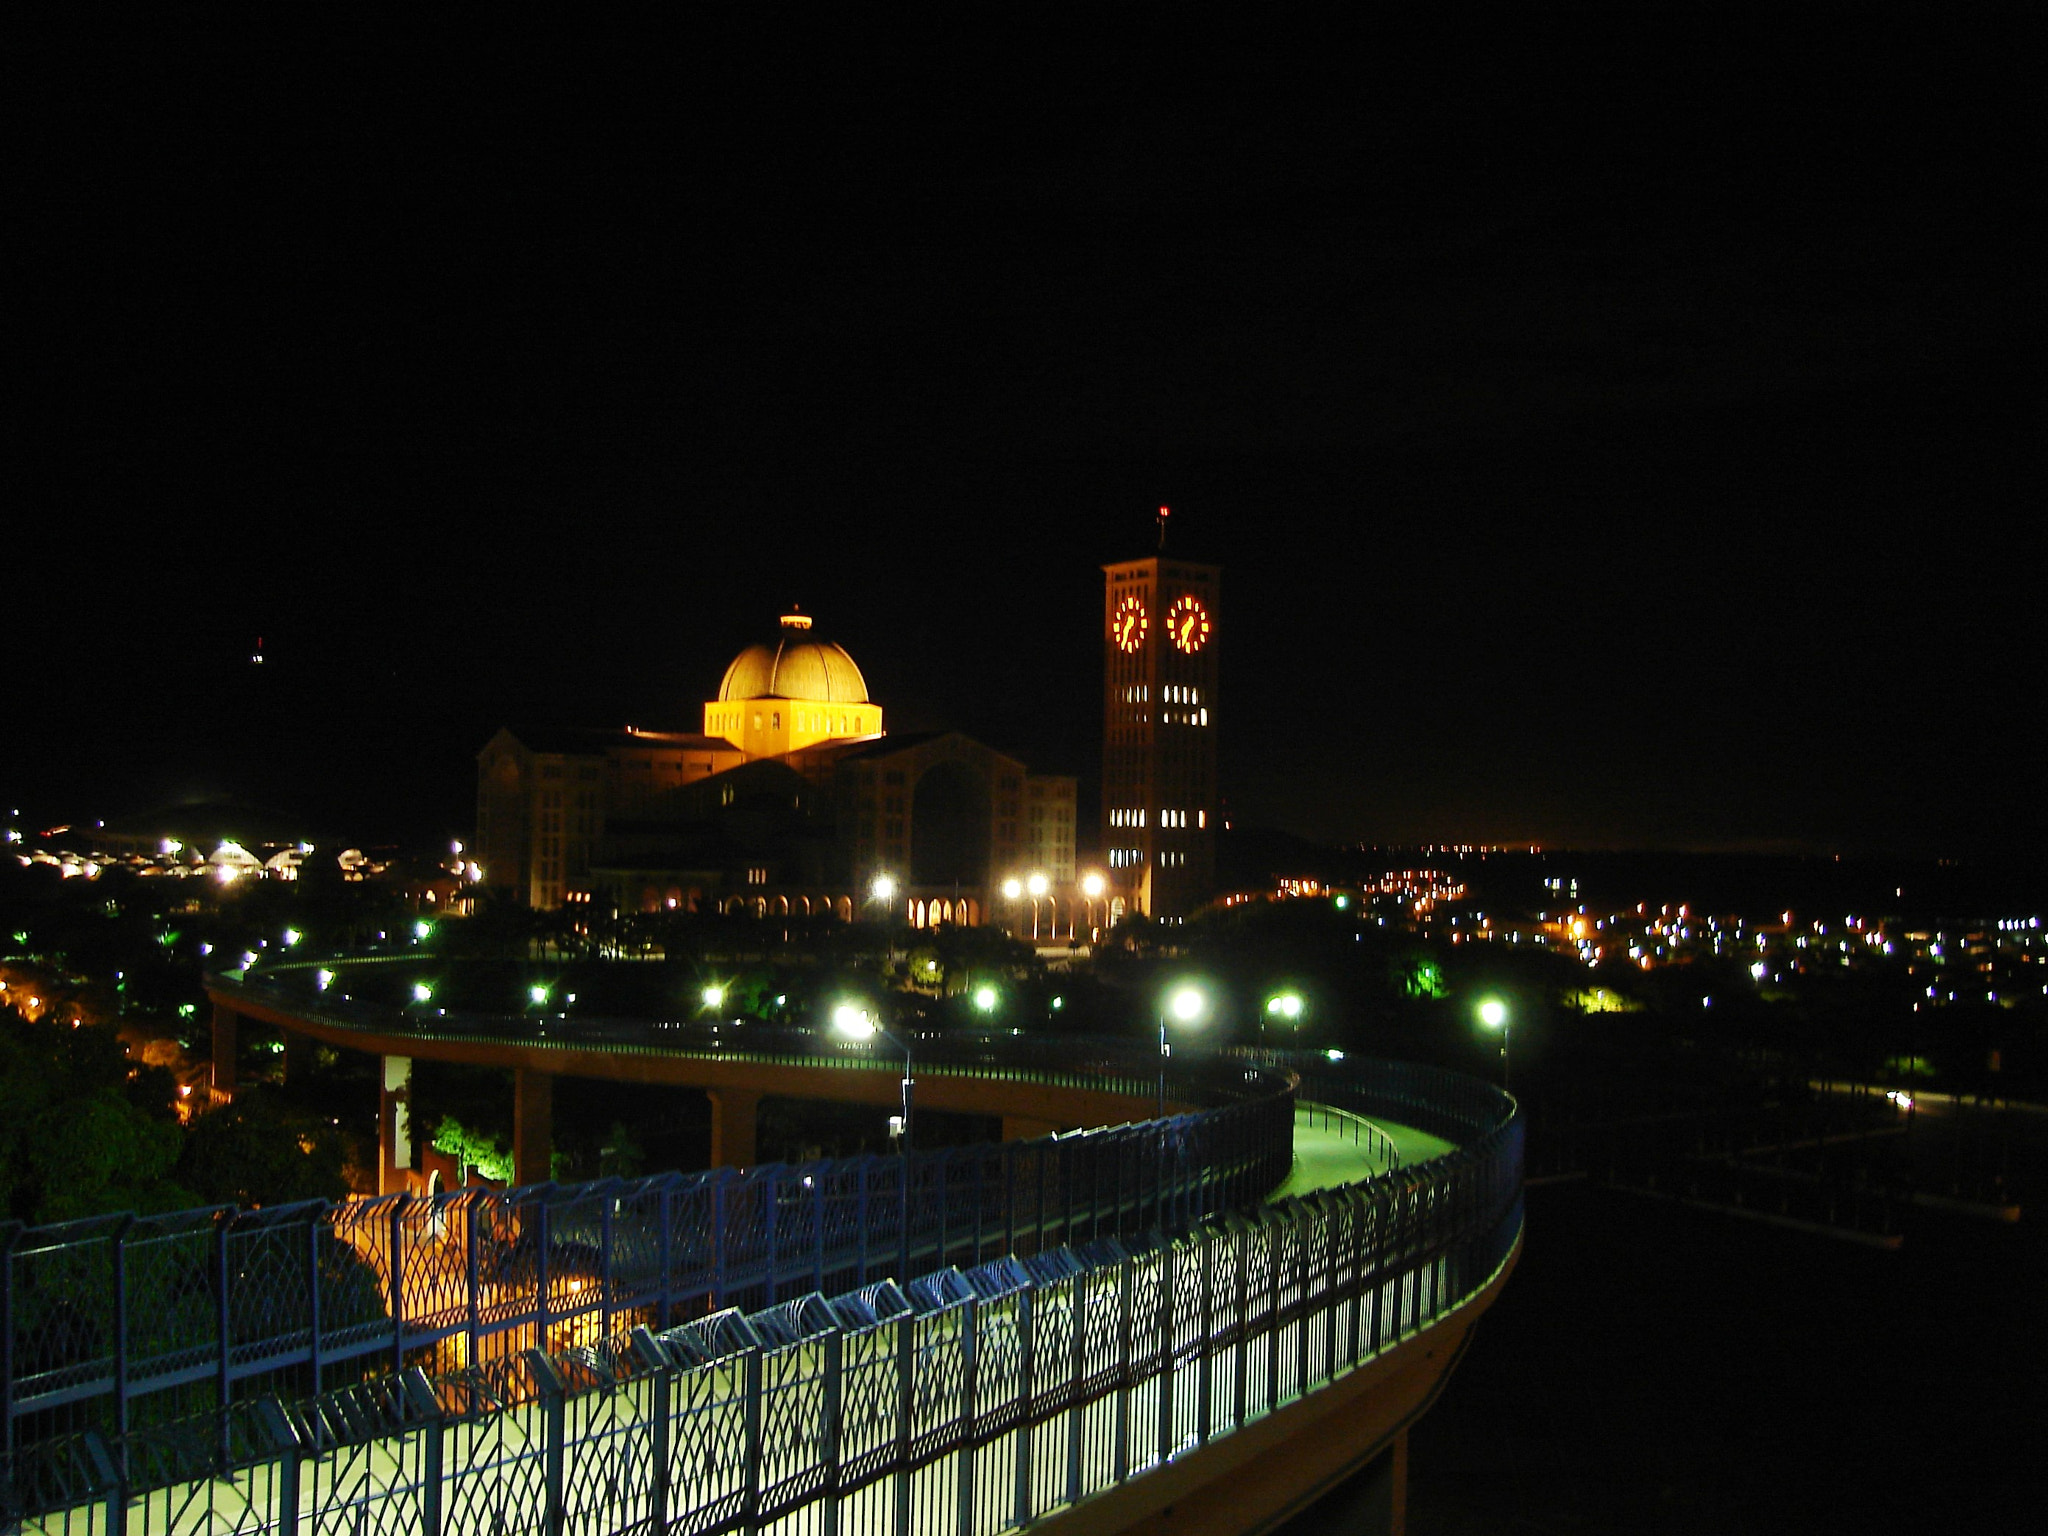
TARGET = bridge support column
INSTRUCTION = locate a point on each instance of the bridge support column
(298, 1055)
(732, 1126)
(225, 1031)
(1379, 1504)
(1024, 1128)
(394, 1123)
(533, 1126)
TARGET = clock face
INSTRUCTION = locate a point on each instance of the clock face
(1187, 623)
(1128, 627)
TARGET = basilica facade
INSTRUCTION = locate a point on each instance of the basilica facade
(793, 799)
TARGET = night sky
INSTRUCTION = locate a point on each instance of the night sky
(1618, 430)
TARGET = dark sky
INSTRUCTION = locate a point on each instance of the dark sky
(1618, 429)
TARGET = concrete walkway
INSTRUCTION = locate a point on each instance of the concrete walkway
(1329, 1153)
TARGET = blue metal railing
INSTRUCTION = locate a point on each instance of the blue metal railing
(114, 1323)
(149, 1354)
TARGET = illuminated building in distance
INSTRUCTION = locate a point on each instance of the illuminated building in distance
(792, 800)
(1160, 805)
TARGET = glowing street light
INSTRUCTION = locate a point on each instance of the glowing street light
(1012, 888)
(713, 998)
(1187, 1005)
(1493, 1013)
(883, 888)
(537, 994)
(985, 998)
(1282, 1007)
(422, 993)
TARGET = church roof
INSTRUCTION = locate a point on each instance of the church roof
(794, 666)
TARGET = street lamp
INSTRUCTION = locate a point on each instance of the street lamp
(1186, 1004)
(1493, 1013)
(856, 1023)
(1037, 885)
(883, 889)
(985, 998)
(1286, 1007)
(1092, 886)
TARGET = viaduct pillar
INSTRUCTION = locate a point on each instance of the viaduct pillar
(394, 1123)
(732, 1126)
(533, 1126)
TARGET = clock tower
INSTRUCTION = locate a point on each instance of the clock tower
(1159, 710)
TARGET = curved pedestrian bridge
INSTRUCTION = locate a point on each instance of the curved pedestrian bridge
(1192, 1322)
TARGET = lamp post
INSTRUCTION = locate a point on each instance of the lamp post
(1013, 890)
(1037, 885)
(1493, 1013)
(1092, 886)
(1185, 1003)
(856, 1023)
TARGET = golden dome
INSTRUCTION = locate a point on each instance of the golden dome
(794, 667)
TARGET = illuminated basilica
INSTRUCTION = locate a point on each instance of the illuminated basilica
(792, 800)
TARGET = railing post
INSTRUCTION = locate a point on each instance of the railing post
(543, 1238)
(1126, 1287)
(1242, 1364)
(750, 1516)
(720, 1177)
(664, 1306)
(970, 1328)
(394, 1236)
(1169, 1272)
(224, 1321)
(1009, 1155)
(472, 1224)
(817, 1187)
(1027, 1391)
(608, 1297)
(906, 1414)
(1273, 1334)
(433, 1461)
(1205, 1362)
(904, 1215)
(660, 1391)
(313, 1230)
(831, 1435)
(1077, 1366)
(554, 1430)
(861, 1213)
(771, 1223)
(120, 1255)
(288, 1469)
(1302, 1310)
